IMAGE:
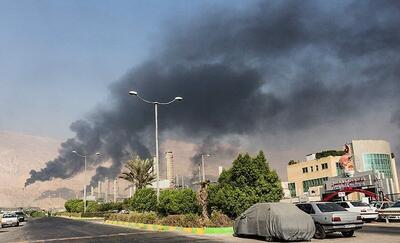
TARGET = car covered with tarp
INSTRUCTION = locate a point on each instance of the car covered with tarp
(275, 221)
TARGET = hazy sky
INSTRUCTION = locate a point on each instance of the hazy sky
(57, 58)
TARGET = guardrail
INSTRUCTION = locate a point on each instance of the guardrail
(386, 214)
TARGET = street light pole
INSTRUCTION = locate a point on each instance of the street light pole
(85, 179)
(156, 103)
(157, 158)
(84, 188)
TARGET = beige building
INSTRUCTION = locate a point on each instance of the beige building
(309, 176)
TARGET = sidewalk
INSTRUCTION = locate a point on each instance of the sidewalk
(384, 224)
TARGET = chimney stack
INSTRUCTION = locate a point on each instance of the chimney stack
(106, 193)
(115, 190)
(99, 189)
(170, 167)
(220, 169)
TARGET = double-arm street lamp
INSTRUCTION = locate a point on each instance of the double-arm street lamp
(156, 103)
(85, 184)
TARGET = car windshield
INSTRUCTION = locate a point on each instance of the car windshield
(330, 207)
(396, 205)
(359, 204)
(9, 216)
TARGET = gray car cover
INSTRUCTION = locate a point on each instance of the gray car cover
(282, 221)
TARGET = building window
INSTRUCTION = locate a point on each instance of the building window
(312, 169)
(339, 169)
(314, 182)
(305, 170)
(324, 166)
(316, 167)
(378, 162)
(292, 189)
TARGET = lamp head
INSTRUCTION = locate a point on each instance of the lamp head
(74, 152)
(178, 98)
(98, 154)
(133, 92)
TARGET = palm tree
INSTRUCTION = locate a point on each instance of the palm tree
(139, 172)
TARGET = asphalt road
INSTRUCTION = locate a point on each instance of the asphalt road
(67, 230)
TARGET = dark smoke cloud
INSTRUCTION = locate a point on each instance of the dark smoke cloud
(283, 65)
(63, 192)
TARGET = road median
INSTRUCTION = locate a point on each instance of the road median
(156, 227)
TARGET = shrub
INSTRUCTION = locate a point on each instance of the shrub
(219, 219)
(178, 201)
(187, 220)
(94, 214)
(92, 206)
(135, 217)
(104, 207)
(144, 200)
(74, 205)
(327, 153)
(37, 214)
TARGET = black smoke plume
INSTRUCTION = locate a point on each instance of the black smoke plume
(278, 65)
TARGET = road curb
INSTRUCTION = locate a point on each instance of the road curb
(156, 227)
(80, 218)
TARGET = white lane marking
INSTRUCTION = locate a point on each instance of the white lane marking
(84, 237)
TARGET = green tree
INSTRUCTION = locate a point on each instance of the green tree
(249, 181)
(178, 201)
(139, 172)
(144, 200)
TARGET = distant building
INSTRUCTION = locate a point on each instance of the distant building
(373, 162)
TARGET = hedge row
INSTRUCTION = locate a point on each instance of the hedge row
(217, 219)
(87, 214)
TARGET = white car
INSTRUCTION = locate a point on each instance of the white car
(367, 212)
(391, 213)
(9, 219)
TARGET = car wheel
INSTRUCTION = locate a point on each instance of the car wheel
(319, 232)
(348, 233)
(269, 238)
(17, 224)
